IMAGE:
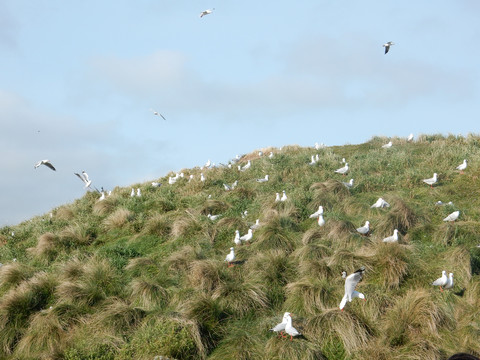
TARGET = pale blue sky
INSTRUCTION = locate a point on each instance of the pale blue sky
(250, 75)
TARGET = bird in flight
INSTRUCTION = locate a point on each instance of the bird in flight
(84, 178)
(47, 163)
(387, 46)
(158, 114)
(206, 12)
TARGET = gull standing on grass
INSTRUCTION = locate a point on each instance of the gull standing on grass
(139, 193)
(449, 284)
(342, 170)
(230, 257)
(380, 204)
(453, 216)
(317, 213)
(351, 282)
(132, 193)
(265, 179)
(321, 221)
(365, 229)
(277, 197)
(281, 326)
(248, 236)
(214, 217)
(462, 166)
(349, 184)
(313, 161)
(393, 238)
(47, 163)
(432, 180)
(270, 156)
(237, 240)
(247, 166)
(441, 281)
(289, 329)
(410, 137)
(256, 225)
(387, 145)
(284, 196)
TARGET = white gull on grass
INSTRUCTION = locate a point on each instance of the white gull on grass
(351, 282)
(343, 170)
(380, 204)
(214, 217)
(410, 137)
(453, 216)
(393, 238)
(462, 166)
(365, 229)
(321, 221)
(289, 329)
(441, 281)
(432, 180)
(248, 236)
(317, 213)
(237, 240)
(284, 196)
(265, 179)
(281, 326)
(230, 257)
(256, 225)
(349, 184)
(449, 284)
(387, 145)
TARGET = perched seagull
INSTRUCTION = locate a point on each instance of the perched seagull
(102, 197)
(230, 257)
(393, 238)
(139, 193)
(270, 155)
(387, 145)
(132, 193)
(387, 46)
(349, 184)
(237, 240)
(289, 329)
(202, 178)
(449, 283)
(190, 178)
(321, 221)
(47, 163)
(317, 158)
(342, 170)
(172, 180)
(364, 230)
(313, 161)
(248, 236)
(431, 180)
(265, 179)
(441, 281)
(453, 216)
(277, 197)
(344, 274)
(85, 180)
(380, 204)
(317, 213)
(244, 214)
(351, 282)
(281, 326)
(227, 187)
(156, 184)
(247, 166)
(343, 161)
(410, 137)
(256, 225)
(208, 164)
(260, 153)
(319, 146)
(462, 166)
(284, 196)
(158, 114)
(214, 217)
(206, 12)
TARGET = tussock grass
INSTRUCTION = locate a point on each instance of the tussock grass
(391, 263)
(158, 225)
(117, 315)
(118, 219)
(148, 294)
(185, 225)
(64, 213)
(205, 274)
(214, 207)
(106, 206)
(181, 259)
(309, 295)
(339, 231)
(312, 235)
(239, 344)
(14, 274)
(400, 217)
(296, 350)
(272, 235)
(46, 247)
(142, 265)
(75, 234)
(328, 193)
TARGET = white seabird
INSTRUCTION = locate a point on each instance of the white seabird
(265, 179)
(248, 236)
(462, 166)
(156, 113)
(431, 180)
(230, 257)
(85, 180)
(453, 216)
(284, 196)
(214, 217)
(237, 240)
(321, 221)
(202, 178)
(380, 204)
(47, 163)
(172, 180)
(449, 284)
(247, 166)
(351, 282)
(270, 155)
(132, 193)
(156, 184)
(139, 193)
(256, 225)
(349, 184)
(393, 238)
(289, 329)
(342, 170)
(441, 281)
(277, 197)
(410, 137)
(102, 197)
(313, 161)
(387, 145)
(281, 326)
(364, 230)
(387, 46)
(206, 12)
(317, 213)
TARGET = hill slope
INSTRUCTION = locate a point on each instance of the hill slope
(138, 277)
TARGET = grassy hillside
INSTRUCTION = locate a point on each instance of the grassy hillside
(139, 277)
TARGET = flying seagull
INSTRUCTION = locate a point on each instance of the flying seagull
(351, 282)
(84, 178)
(387, 46)
(206, 12)
(47, 163)
(158, 114)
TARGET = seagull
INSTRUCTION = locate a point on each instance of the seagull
(317, 213)
(139, 193)
(230, 257)
(202, 178)
(462, 166)
(256, 225)
(313, 161)
(248, 236)
(270, 155)
(281, 326)
(387, 145)
(132, 193)
(247, 166)
(364, 230)
(208, 163)
(321, 221)
(227, 187)
(84, 178)
(441, 281)
(349, 184)
(214, 217)
(156, 184)
(351, 282)
(387, 46)
(47, 163)
(284, 196)
(344, 274)
(449, 283)
(289, 329)
(380, 204)
(342, 170)
(265, 179)
(206, 12)
(393, 238)
(410, 137)
(277, 197)
(453, 216)
(343, 161)
(102, 197)
(244, 214)
(260, 153)
(158, 114)
(431, 180)
(172, 180)
(237, 240)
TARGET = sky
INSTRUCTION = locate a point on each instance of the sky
(79, 81)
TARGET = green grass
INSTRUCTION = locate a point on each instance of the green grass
(143, 277)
